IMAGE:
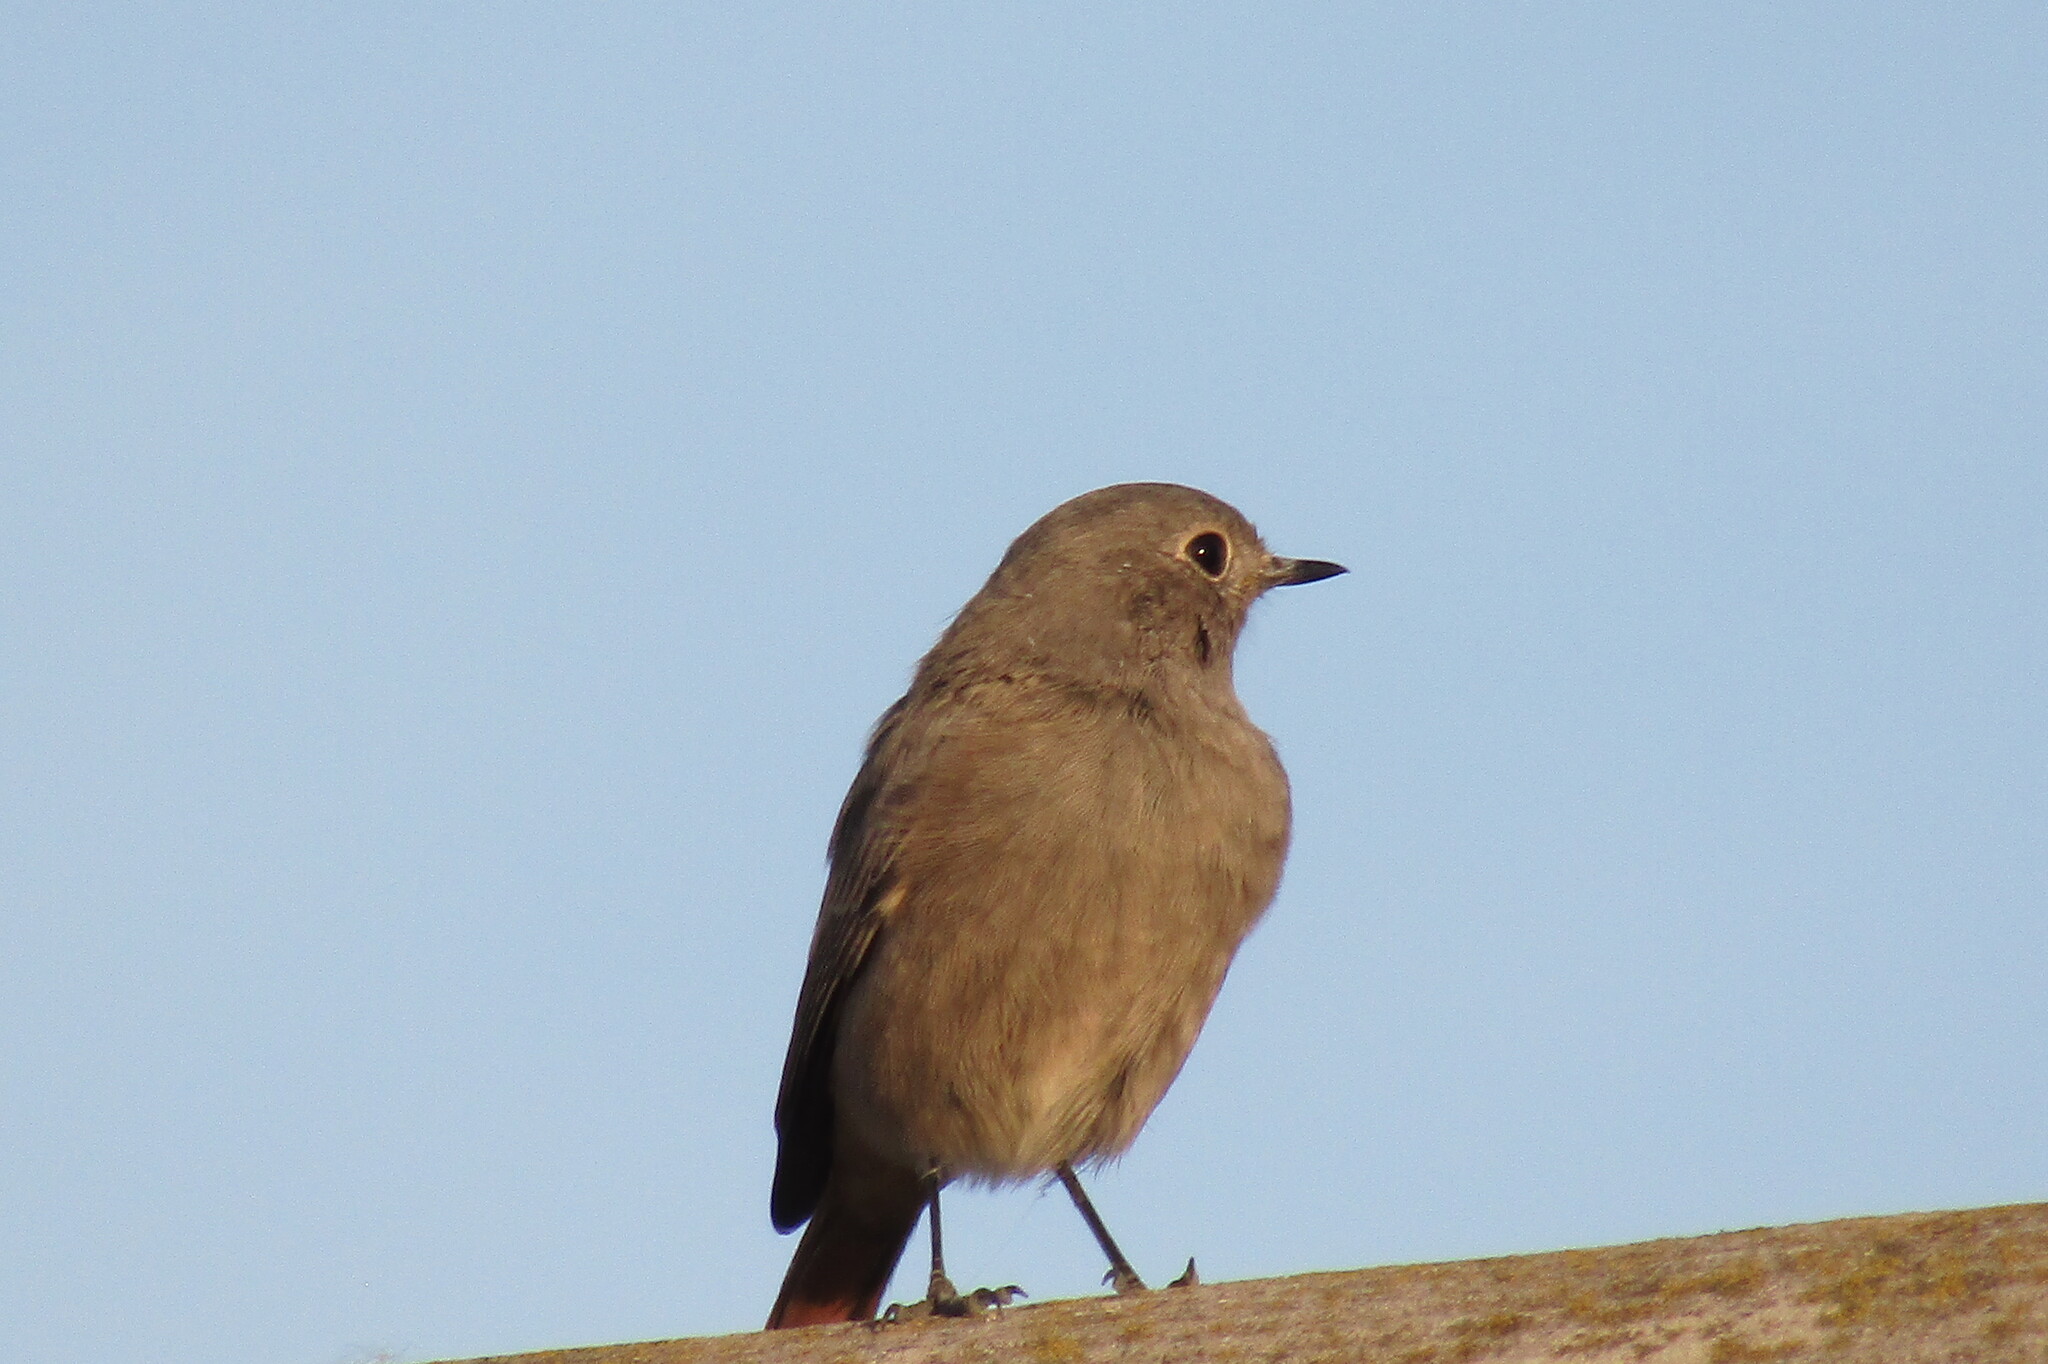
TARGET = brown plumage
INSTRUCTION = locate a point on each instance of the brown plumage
(1058, 838)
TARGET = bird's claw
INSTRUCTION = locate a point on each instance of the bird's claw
(946, 1301)
(1124, 1280)
(985, 1298)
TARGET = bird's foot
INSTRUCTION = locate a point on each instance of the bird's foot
(944, 1300)
(1125, 1280)
(985, 1298)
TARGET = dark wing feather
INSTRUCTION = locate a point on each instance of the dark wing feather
(849, 919)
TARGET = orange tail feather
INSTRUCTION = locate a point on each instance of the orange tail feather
(842, 1266)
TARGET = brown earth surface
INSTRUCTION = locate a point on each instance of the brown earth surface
(1948, 1286)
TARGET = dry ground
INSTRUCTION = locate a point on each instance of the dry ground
(1948, 1286)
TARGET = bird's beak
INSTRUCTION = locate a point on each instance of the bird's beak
(1292, 572)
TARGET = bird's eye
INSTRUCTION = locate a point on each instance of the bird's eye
(1211, 553)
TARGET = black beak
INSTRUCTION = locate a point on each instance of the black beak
(1293, 572)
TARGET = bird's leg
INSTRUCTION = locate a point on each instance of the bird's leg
(941, 1299)
(940, 1296)
(1121, 1276)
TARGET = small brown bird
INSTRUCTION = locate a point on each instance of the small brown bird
(1056, 842)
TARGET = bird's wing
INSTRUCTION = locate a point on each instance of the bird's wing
(858, 894)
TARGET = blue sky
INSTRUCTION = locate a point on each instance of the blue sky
(472, 474)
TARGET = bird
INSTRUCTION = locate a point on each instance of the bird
(1054, 845)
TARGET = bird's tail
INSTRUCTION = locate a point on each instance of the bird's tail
(842, 1266)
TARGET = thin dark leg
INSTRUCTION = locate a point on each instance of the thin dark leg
(941, 1299)
(944, 1299)
(1121, 1276)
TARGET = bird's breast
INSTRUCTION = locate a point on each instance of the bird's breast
(1074, 885)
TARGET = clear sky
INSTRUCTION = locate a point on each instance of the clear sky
(472, 473)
